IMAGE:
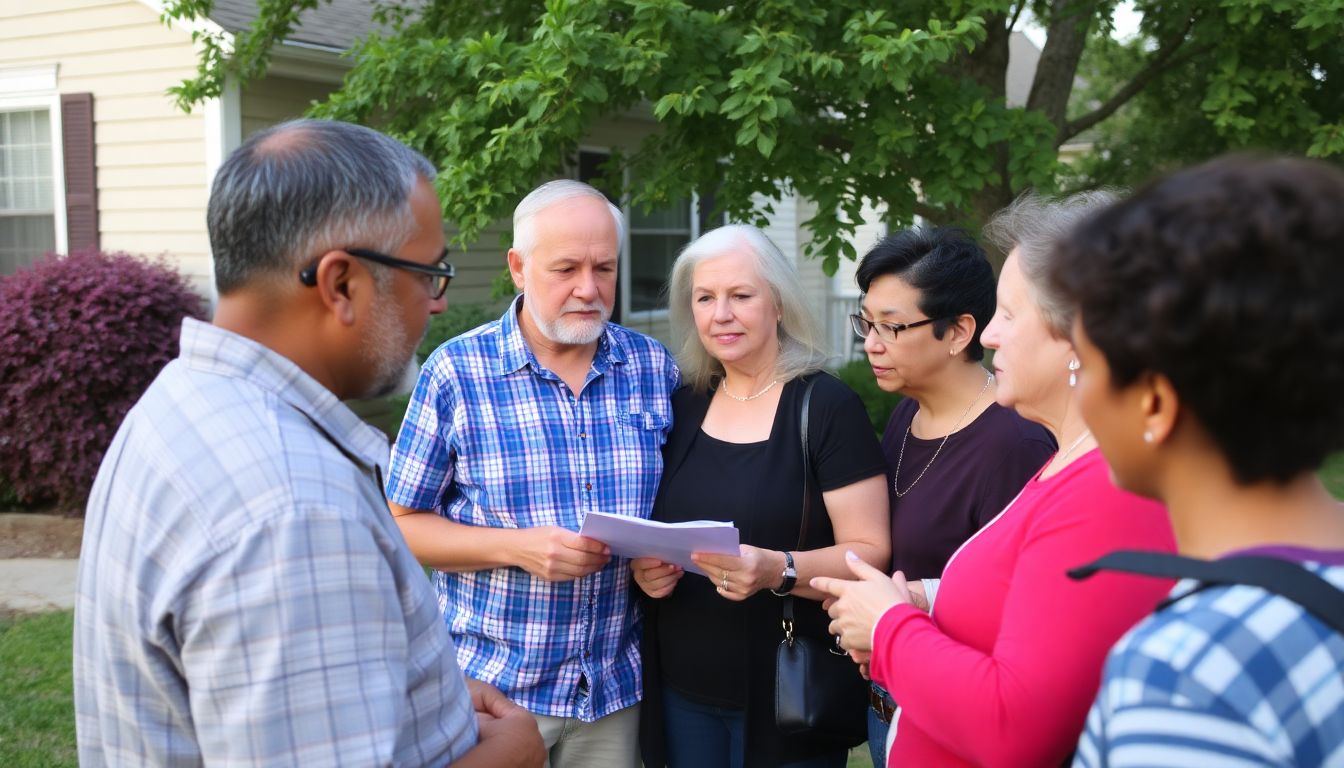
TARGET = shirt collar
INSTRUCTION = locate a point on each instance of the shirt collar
(209, 348)
(514, 354)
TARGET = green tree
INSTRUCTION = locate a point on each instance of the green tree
(1268, 86)
(835, 100)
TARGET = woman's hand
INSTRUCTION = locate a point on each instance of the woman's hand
(859, 604)
(654, 576)
(738, 578)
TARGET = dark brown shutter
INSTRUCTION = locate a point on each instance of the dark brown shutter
(81, 183)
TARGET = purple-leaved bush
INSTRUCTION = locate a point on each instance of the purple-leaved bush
(81, 338)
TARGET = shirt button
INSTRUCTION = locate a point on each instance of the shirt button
(583, 434)
(588, 486)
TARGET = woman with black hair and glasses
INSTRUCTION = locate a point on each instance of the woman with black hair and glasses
(955, 457)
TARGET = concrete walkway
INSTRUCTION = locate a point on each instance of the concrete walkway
(36, 584)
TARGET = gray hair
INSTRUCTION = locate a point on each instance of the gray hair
(543, 197)
(800, 348)
(298, 189)
(1034, 225)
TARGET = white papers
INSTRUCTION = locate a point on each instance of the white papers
(669, 542)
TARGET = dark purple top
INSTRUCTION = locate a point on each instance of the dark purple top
(982, 467)
(1295, 554)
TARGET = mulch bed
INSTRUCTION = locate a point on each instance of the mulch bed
(30, 534)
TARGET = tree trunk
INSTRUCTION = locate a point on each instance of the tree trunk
(1058, 65)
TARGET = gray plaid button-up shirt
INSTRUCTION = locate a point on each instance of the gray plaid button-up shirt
(244, 595)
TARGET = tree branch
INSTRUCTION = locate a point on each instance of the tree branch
(1169, 56)
(929, 213)
(1012, 23)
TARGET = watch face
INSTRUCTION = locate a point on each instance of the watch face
(790, 572)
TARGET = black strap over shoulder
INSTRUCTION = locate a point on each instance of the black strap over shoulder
(1282, 577)
(807, 463)
(807, 496)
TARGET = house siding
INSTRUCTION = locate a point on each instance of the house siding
(273, 99)
(150, 156)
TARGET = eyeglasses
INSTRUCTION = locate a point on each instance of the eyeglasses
(885, 331)
(442, 272)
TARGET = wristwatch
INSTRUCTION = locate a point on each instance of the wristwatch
(790, 576)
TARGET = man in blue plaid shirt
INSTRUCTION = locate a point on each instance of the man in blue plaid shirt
(516, 431)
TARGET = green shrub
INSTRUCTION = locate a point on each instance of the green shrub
(455, 321)
(858, 374)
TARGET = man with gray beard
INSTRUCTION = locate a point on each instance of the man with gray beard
(515, 431)
(244, 596)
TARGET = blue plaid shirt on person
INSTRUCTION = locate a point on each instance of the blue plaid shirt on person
(244, 596)
(492, 438)
(1229, 676)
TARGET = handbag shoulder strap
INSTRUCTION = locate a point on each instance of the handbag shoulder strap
(807, 462)
(807, 495)
(1282, 577)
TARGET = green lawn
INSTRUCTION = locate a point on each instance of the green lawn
(37, 711)
(1333, 475)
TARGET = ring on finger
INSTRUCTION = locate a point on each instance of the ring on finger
(725, 581)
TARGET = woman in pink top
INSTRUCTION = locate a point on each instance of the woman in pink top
(1004, 667)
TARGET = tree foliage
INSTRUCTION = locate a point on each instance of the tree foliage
(1258, 75)
(840, 101)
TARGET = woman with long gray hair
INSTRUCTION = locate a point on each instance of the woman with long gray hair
(748, 350)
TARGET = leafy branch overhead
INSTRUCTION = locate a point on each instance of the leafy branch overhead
(841, 102)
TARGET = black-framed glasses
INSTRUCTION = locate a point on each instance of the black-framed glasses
(442, 272)
(885, 331)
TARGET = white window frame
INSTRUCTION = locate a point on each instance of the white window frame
(644, 316)
(25, 90)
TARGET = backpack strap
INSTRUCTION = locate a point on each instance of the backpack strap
(1285, 578)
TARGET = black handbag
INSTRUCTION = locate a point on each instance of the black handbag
(818, 688)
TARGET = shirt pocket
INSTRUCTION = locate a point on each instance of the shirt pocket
(645, 420)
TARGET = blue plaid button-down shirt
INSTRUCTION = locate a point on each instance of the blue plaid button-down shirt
(244, 597)
(492, 438)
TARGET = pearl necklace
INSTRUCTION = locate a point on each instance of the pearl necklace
(748, 398)
(896, 478)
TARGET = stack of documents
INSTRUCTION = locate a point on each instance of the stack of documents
(669, 542)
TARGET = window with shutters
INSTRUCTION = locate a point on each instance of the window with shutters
(27, 188)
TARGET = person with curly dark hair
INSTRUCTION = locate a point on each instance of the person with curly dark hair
(1210, 332)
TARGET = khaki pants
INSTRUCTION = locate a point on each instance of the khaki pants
(611, 741)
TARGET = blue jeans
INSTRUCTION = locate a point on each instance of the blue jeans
(709, 736)
(877, 735)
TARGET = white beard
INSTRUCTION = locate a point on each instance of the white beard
(568, 331)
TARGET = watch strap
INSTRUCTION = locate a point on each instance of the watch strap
(790, 576)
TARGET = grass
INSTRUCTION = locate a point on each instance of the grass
(1332, 474)
(37, 708)
(859, 757)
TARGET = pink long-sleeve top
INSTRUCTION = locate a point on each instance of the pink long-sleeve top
(1005, 669)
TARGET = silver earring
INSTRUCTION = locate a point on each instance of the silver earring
(1073, 372)
(1147, 436)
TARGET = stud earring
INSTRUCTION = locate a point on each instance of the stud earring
(1073, 372)
(1147, 436)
